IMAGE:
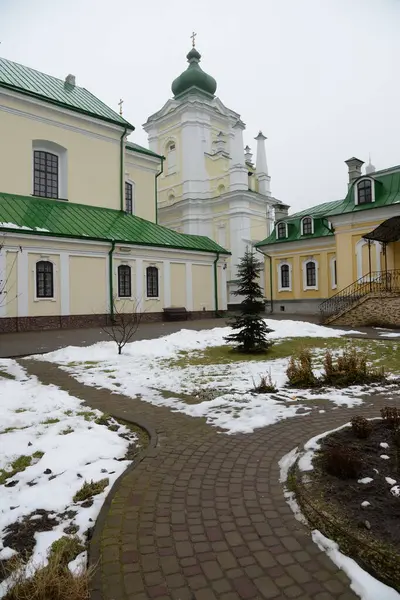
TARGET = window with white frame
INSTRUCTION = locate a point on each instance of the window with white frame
(129, 197)
(171, 157)
(49, 170)
(307, 226)
(310, 274)
(364, 192)
(333, 273)
(281, 230)
(124, 281)
(152, 283)
(44, 279)
(284, 277)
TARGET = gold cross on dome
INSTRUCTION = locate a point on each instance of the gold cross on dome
(120, 103)
(192, 37)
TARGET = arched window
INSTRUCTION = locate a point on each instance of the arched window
(307, 226)
(129, 197)
(44, 279)
(45, 174)
(281, 231)
(285, 276)
(124, 281)
(152, 282)
(310, 275)
(171, 157)
(364, 192)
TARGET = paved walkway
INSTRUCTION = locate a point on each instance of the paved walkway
(38, 342)
(202, 516)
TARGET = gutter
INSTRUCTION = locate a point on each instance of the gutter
(121, 171)
(111, 279)
(155, 187)
(216, 284)
(270, 278)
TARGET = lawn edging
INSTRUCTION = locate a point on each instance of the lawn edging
(380, 561)
(94, 546)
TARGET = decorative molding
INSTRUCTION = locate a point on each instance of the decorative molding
(359, 246)
(304, 269)
(364, 178)
(23, 284)
(139, 284)
(312, 224)
(365, 216)
(189, 287)
(64, 283)
(279, 266)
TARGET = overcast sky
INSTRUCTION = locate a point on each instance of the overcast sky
(321, 78)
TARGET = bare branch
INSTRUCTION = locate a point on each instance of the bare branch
(124, 324)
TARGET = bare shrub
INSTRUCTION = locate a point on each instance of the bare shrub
(342, 462)
(265, 386)
(124, 324)
(391, 416)
(350, 368)
(299, 371)
(362, 428)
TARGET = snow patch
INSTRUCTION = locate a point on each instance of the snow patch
(365, 480)
(384, 445)
(385, 456)
(390, 481)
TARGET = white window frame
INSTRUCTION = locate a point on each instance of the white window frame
(372, 180)
(62, 154)
(171, 169)
(333, 273)
(286, 230)
(312, 225)
(378, 250)
(280, 288)
(124, 264)
(304, 269)
(159, 281)
(132, 183)
(55, 278)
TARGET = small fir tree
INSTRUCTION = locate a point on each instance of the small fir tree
(250, 328)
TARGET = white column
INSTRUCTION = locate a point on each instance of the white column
(189, 287)
(167, 283)
(23, 283)
(64, 283)
(238, 171)
(194, 175)
(224, 291)
(3, 279)
(139, 284)
(264, 185)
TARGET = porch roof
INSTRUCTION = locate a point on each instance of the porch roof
(386, 232)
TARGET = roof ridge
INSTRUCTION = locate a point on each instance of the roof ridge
(42, 73)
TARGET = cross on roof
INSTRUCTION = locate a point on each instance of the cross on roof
(120, 103)
(193, 38)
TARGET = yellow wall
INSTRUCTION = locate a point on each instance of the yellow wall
(153, 304)
(43, 306)
(93, 161)
(203, 289)
(10, 285)
(142, 172)
(88, 285)
(178, 284)
(396, 255)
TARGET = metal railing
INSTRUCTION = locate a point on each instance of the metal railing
(376, 282)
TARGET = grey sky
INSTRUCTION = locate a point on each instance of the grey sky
(319, 77)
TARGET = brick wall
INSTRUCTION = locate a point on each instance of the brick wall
(372, 310)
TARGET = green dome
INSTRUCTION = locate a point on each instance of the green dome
(194, 76)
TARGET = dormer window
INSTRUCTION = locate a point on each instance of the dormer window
(307, 226)
(364, 192)
(281, 230)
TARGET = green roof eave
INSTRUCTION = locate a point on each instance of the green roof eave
(61, 219)
(141, 150)
(120, 122)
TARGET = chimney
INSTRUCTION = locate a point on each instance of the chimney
(281, 211)
(261, 166)
(70, 80)
(354, 165)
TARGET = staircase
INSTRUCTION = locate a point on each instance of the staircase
(376, 283)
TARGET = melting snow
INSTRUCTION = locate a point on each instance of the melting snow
(365, 480)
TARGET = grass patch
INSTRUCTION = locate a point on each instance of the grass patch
(66, 431)
(50, 421)
(10, 429)
(90, 489)
(38, 454)
(103, 419)
(380, 352)
(65, 549)
(6, 375)
(17, 466)
(68, 412)
(87, 414)
(20, 410)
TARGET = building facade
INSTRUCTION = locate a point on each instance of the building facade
(332, 256)
(210, 185)
(79, 237)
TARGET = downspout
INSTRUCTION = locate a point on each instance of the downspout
(156, 190)
(270, 278)
(216, 285)
(111, 279)
(121, 170)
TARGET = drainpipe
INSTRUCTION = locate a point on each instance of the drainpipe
(111, 279)
(155, 190)
(270, 278)
(216, 285)
(121, 171)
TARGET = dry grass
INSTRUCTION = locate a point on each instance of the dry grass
(90, 489)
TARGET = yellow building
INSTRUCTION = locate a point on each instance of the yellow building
(340, 258)
(78, 215)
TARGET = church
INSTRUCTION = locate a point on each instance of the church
(92, 224)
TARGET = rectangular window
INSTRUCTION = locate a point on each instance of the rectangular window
(152, 282)
(45, 174)
(124, 281)
(311, 276)
(285, 276)
(129, 198)
(44, 279)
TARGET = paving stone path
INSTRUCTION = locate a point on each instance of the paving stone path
(202, 516)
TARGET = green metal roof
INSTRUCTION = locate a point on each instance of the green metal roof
(43, 217)
(30, 82)
(142, 150)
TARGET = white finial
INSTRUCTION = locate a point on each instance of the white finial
(370, 168)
